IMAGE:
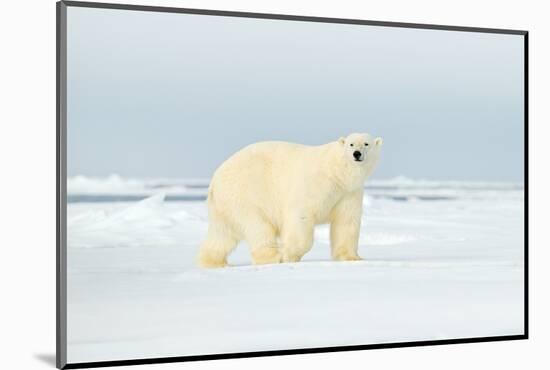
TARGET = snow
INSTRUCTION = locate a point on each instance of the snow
(436, 267)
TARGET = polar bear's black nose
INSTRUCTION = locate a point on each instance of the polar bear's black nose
(357, 154)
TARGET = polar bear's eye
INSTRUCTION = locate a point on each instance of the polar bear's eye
(351, 145)
(366, 144)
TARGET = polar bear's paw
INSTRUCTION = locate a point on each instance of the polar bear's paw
(266, 255)
(206, 262)
(210, 257)
(346, 256)
(289, 257)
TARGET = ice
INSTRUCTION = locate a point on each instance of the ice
(434, 268)
(113, 184)
(116, 188)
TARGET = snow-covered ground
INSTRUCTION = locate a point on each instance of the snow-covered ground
(442, 260)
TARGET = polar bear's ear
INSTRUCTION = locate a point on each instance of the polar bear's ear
(378, 141)
(342, 140)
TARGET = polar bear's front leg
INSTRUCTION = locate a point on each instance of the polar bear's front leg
(345, 226)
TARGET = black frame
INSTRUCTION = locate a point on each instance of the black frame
(61, 194)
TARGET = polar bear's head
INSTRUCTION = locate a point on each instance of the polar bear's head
(361, 148)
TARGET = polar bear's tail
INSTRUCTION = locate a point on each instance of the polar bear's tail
(220, 240)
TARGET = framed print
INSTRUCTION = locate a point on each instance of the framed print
(239, 184)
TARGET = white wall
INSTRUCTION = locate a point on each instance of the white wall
(27, 171)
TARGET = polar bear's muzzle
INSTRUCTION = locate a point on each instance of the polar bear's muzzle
(358, 156)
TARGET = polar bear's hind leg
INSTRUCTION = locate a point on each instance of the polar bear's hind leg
(297, 240)
(217, 246)
(262, 238)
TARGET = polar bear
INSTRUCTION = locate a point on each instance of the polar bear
(272, 194)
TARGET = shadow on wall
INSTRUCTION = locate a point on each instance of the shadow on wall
(47, 358)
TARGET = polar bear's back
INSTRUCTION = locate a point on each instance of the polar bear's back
(259, 164)
(264, 159)
(255, 179)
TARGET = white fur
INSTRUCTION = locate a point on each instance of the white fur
(272, 194)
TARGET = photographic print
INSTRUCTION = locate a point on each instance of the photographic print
(235, 184)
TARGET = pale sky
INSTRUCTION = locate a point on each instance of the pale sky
(173, 95)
